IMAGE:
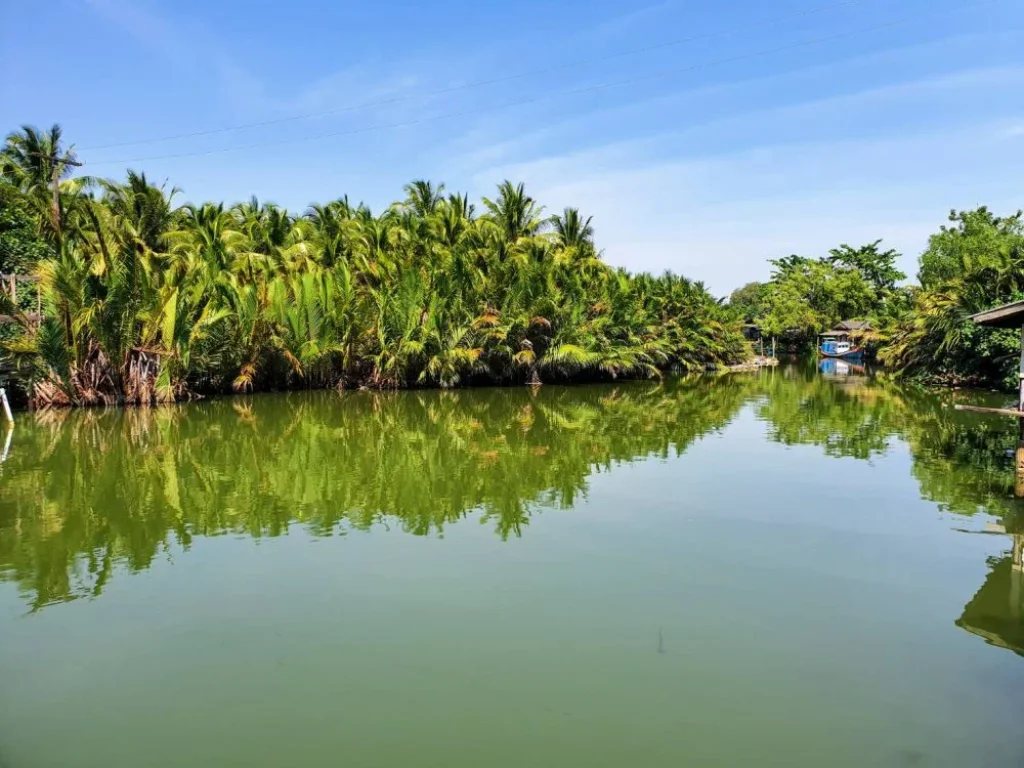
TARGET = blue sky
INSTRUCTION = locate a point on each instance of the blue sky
(775, 127)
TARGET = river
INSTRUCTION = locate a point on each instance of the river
(784, 568)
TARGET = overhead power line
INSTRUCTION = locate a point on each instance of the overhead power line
(480, 83)
(549, 96)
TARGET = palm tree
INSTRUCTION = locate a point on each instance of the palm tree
(572, 231)
(35, 162)
(423, 198)
(515, 213)
(212, 233)
(142, 214)
(148, 302)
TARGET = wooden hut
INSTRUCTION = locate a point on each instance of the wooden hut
(847, 330)
(1008, 316)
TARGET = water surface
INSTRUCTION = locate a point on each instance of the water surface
(785, 569)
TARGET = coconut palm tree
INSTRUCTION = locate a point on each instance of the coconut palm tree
(422, 198)
(35, 162)
(573, 231)
(147, 302)
(515, 213)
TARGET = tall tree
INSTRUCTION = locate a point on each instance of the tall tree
(35, 162)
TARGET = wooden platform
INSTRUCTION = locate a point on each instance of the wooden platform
(996, 411)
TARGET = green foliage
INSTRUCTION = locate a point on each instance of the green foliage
(148, 302)
(878, 268)
(925, 332)
(21, 246)
(748, 301)
(808, 296)
(978, 243)
(974, 264)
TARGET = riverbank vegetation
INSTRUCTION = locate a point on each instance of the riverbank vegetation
(921, 330)
(141, 297)
(147, 299)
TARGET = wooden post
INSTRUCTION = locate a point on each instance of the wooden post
(1017, 577)
(1019, 458)
(1020, 398)
(6, 405)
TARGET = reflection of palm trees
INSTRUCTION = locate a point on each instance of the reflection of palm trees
(93, 490)
(86, 493)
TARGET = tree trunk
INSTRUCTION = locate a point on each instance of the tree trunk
(55, 201)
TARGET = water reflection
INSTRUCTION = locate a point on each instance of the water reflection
(87, 490)
(85, 494)
(996, 612)
(835, 368)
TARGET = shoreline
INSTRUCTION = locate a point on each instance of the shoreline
(22, 407)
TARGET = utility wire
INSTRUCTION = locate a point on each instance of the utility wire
(549, 96)
(480, 83)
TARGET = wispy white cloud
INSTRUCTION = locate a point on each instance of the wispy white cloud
(723, 105)
(802, 121)
(146, 27)
(352, 86)
(612, 29)
(708, 174)
(188, 47)
(719, 218)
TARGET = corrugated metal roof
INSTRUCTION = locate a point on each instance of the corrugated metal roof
(1007, 316)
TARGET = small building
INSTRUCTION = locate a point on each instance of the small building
(847, 330)
(1008, 316)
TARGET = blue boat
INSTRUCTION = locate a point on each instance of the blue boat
(839, 342)
(843, 350)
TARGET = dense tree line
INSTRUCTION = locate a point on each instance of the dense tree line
(973, 264)
(145, 300)
(920, 330)
(806, 296)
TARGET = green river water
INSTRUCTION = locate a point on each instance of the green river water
(784, 569)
